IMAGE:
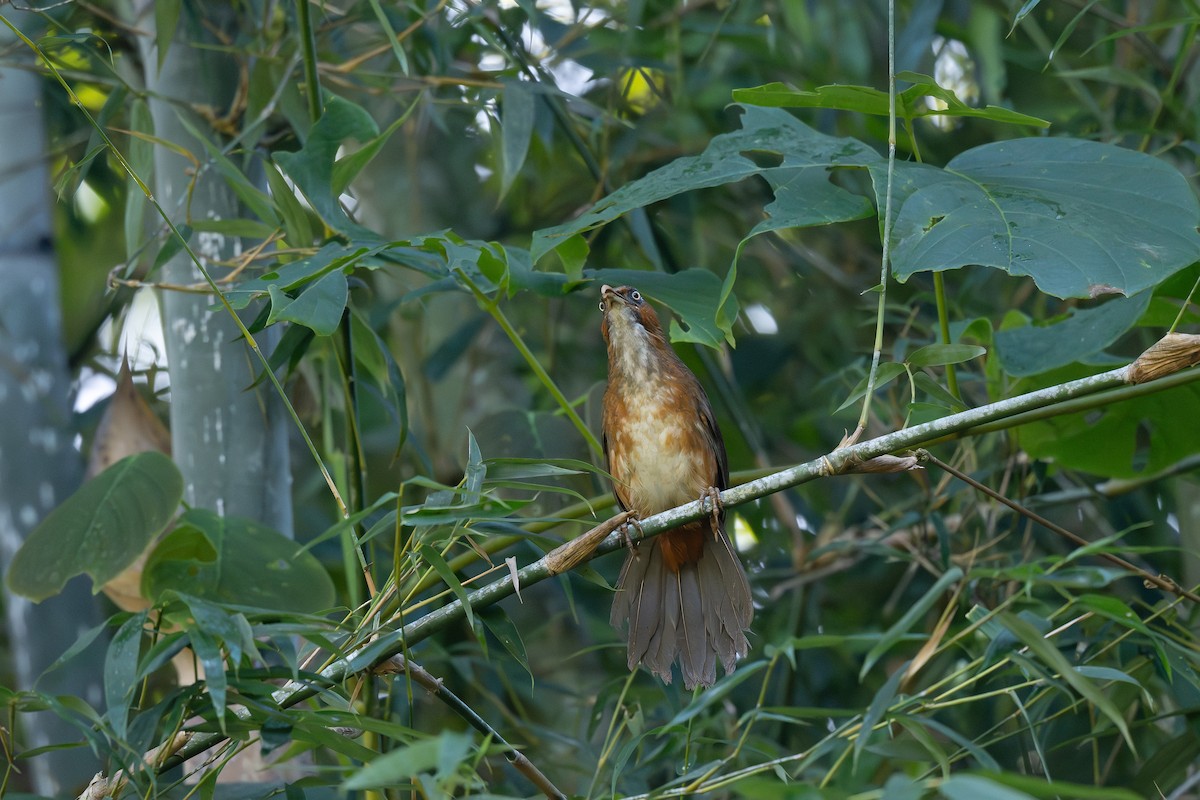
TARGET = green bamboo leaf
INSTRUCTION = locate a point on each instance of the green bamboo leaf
(501, 626)
(434, 559)
(937, 355)
(1050, 656)
(166, 18)
(215, 680)
(887, 372)
(1040, 786)
(517, 113)
(120, 671)
(878, 708)
(725, 160)
(404, 764)
(101, 529)
(372, 354)
(910, 618)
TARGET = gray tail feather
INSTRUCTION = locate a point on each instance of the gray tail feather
(696, 616)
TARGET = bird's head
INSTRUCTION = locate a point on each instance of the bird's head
(628, 314)
(631, 330)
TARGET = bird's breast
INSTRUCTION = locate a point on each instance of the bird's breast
(658, 453)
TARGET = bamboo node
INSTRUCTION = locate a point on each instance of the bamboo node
(1168, 355)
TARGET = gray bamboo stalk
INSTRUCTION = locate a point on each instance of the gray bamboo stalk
(39, 465)
(229, 441)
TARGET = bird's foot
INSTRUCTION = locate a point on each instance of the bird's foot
(713, 494)
(628, 541)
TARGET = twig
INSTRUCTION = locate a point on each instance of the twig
(435, 686)
(1164, 582)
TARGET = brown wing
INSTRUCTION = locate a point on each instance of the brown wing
(713, 434)
(608, 464)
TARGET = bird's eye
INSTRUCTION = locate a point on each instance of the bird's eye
(602, 305)
(636, 295)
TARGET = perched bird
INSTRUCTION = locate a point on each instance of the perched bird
(685, 594)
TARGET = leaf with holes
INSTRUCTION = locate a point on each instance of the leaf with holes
(1082, 219)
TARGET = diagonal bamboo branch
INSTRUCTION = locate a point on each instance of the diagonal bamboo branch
(1163, 366)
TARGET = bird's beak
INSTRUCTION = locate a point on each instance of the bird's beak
(608, 295)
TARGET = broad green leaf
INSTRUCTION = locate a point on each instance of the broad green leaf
(937, 355)
(332, 257)
(693, 294)
(236, 561)
(517, 111)
(574, 253)
(319, 307)
(121, 670)
(1140, 436)
(101, 529)
(724, 161)
(910, 618)
(1083, 219)
(311, 168)
(1031, 350)
(1049, 655)
(805, 198)
(348, 167)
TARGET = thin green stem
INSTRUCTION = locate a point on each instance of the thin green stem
(939, 292)
(1164, 582)
(308, 47)
(1182, 59)
(1183, 309)
(493, 307)
(885, 259)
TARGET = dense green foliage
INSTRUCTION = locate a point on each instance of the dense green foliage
(440, 195)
